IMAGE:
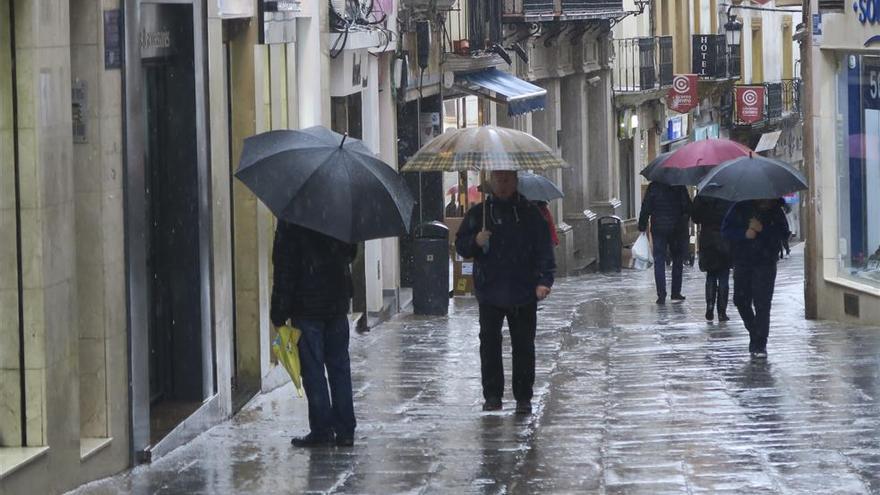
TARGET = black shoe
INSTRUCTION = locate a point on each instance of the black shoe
(722, 316)
(345, 441)
(677, 297)
(523, 407)
(661, 299)
(312, 440)
(492, 404)
(710, 315)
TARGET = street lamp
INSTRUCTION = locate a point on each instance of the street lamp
(733, 30)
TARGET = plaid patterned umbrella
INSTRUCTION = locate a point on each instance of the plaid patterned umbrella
(483, 148)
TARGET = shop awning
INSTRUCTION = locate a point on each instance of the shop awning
(768, 141)
(499, 86)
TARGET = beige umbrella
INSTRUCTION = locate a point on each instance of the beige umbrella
(484, 148)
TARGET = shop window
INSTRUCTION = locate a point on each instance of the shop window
(858, 168)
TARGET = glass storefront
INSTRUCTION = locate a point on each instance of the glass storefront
(858, 167)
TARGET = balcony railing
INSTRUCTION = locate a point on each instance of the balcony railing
(536, 10)
(642, 64)
(734, 61)
(781, 99)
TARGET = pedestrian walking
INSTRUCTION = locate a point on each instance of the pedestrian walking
(313, 288)
(668, 209)
(786, 208)
(755, 229)
(714, 253)
(514, 266)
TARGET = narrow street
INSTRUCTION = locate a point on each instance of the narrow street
(630, 398)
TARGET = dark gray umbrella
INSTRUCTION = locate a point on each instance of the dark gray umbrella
(326, 182)
(538, 188)
(752, 177)
(656, 162)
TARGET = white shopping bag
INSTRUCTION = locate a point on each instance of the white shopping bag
(641, 252)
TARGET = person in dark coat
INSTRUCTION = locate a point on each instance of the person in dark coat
(714, 253)
(755, 230)
(668, 208)
(313, 288)
(513, 270)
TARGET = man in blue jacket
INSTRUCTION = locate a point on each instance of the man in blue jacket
(756, 230)
(513, 270)
(668, 208)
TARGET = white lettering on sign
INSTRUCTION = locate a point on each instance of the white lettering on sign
(155, 39)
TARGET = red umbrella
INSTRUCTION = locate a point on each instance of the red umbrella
(473, 193)
(705, 153)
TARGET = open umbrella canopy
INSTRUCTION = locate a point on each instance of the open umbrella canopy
(483, 148)
(688, 165)
(538, 188)
(326, 182)
(752, 177)
(646, 172)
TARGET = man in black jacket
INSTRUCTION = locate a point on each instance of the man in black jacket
(513, 270)
(669, 208)
(313, 288)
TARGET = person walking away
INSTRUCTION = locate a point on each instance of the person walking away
(668, 209)
(755, 230)
(786, 208)
(313, 288)
(551, 222)
(513, 269)
(714, 253)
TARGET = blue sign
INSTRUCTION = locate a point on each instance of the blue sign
(868, 11)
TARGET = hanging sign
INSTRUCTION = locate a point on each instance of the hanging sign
(749, 104)
(706, 49)
(682, 96)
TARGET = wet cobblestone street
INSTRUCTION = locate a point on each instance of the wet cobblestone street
(629, 398)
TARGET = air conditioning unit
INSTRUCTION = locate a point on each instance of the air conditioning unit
(428, 4)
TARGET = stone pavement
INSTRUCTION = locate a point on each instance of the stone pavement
(630, 398)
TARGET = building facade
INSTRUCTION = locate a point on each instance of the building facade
(843, 162)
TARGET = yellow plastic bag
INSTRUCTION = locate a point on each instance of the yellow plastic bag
(286, 349)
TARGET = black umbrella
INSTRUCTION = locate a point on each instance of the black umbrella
(538, 188)
(646, 172)
(752, 177)
(326, 182)
(656, 171)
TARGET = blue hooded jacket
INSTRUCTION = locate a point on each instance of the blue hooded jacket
(520, 254)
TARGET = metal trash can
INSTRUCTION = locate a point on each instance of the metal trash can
(431, 269)
(610, 244)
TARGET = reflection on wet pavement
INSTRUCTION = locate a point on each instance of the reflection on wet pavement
(630, 398)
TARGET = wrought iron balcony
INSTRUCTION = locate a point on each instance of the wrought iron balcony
(551, 10)
(782, 100)
(642, 64)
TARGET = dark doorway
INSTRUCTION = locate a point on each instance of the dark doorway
(172, 206)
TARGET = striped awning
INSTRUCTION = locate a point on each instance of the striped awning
(499, 86)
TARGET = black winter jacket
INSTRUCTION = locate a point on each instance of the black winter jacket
(312, 276)
(667, 206)
(714, 248)
(520, 254)
(764, 248)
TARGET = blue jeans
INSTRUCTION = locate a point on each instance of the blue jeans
(324, 344)
(677, 244)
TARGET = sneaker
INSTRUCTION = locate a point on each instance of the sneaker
(312, 440)
(523, 407)
(344, 440)
(661, 299)
(492, 404)
(677, 297)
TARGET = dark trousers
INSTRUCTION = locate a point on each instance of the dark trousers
(324, 345)
(677, 245)
(718, 289)
(522, 322)
(752, 295)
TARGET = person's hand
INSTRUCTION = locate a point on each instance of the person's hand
(756, 225)
(483, 238)
(751, 234)
(542, 291)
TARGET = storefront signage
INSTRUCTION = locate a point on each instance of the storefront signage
(159, 28)
(871, 83)
(112, 40)
(674, 129)
(749, 104)
(868, 11)
(706, 48)
(682, 96)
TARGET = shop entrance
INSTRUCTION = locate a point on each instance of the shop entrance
(171, 179)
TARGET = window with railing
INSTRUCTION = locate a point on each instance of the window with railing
(781, 100)
(773, 92)
(641, 63)
(734, 61)
(791, 96)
